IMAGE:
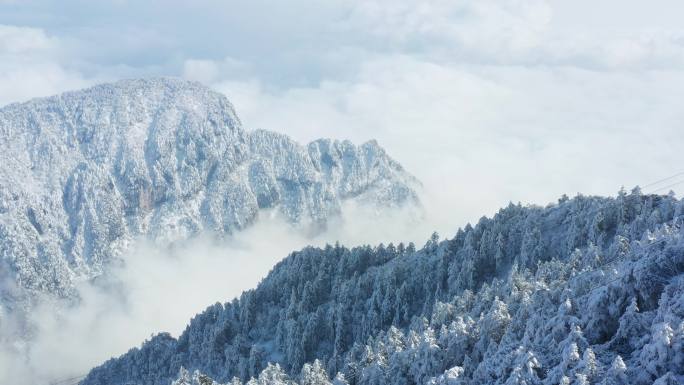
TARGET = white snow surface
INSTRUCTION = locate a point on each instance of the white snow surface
(86, 172)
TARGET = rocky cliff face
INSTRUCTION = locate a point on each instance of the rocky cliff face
(85, 172)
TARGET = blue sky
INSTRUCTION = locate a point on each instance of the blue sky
(485, 101)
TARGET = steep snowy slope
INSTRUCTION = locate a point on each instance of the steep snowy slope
(589, 290)
(85, 172)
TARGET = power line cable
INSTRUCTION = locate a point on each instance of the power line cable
(663, 180)
(668, 186)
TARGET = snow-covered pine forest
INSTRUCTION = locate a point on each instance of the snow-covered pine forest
(588, 290)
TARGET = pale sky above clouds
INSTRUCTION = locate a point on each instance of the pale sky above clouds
(486, 101)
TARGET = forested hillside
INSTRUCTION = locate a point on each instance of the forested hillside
(587, 290)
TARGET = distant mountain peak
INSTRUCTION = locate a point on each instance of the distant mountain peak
(87, 171)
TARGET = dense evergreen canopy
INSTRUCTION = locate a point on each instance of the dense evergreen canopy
(587, 290)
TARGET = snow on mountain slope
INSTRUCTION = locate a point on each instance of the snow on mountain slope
(586, 291)
(86, 172)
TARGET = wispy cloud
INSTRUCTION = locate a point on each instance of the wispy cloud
(31, 65)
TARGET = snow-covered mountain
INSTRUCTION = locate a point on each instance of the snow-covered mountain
(86, 172)
(588, 290)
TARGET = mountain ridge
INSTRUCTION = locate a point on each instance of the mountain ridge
(88, 171)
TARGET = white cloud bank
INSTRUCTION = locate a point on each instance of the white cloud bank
(30, 65)
(479, 137)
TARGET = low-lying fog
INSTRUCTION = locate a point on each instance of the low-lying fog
(158, 289)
